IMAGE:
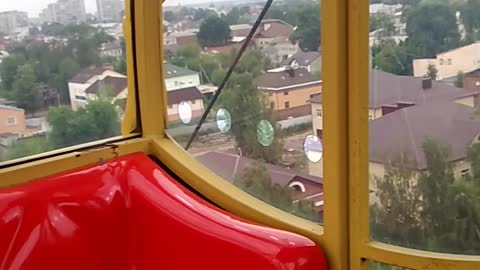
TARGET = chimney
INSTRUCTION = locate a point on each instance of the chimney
(290, 71)
(426, 84)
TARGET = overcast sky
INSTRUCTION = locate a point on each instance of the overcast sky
(34, 7)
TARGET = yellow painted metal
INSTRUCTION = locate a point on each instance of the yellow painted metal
(358, 68)
(129, 123)
(30, 171)
(419, 260)
(335, 102)
(227, 195)
(149, 61)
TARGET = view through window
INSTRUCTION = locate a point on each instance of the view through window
(264, 132)
(424, 125)
(62, 74)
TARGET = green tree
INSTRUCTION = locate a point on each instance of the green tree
(471, 18)
(8, 70)
(431, 28)
(256, 181)
(28, 147)
(169, 16)
(25, 95)
(392, 58)
(459, 80)
(98, 120)
(248, 107)
(308, 27)
(432, 72)
(214, 32)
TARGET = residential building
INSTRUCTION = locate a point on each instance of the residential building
(179, 78)
(399, 137)
(65, 12)
(240, 30)
(449, 63)
(12, 21)
(288, 91)
(115, 88)
(312, 61)
(110, 10)
(471, 83)
(184, 38)
(271, 31)
(280, 50)
(78, 85)
(229, 165)
(383, 8)
(377, 37)
(190, 95)
(12, 121)
(112, 49)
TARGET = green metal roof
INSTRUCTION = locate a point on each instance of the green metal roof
(172, 71)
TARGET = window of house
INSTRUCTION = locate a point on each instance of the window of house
(11, 121)
(319, 113)
(272, 105)
(370, 117)
(285, 93)
(170, 106)
(287, 105)
(194, 101)
(176, 83)
(465, 172)
(449, 61)
(441, 61)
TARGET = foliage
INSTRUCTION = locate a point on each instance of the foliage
(432, 72)
(98, 120)
(169, 16)
(308, 27)
(248, 107)
(257, 182)
(234, 15)
(383, 24)
(8, 70)
(24, 93)
(392, 58)
(459, 80)
(28, 147)
(214, 32)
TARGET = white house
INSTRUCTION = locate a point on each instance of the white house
(179, 78)
(78, 85)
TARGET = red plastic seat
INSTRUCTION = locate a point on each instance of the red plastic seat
(130, 214)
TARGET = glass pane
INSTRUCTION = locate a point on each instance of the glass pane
(63, 74)
(380, 266)
(264, 133)
(424, 125)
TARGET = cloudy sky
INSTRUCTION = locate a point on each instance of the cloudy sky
(34, 7)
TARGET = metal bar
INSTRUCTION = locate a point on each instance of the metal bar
(229, 72)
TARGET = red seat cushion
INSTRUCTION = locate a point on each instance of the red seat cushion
(130, 214)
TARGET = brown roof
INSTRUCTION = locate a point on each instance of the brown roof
(285, 79)
(184, 94)
(87, 73)
(405, 131)
(475, 73)
(304, 58)
(389, 89)
(228, 166)
(116, 83)
(277, 28)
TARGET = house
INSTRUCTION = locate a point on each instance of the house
(400, 136)
(191, 96)
(12, 121)
(271, 31)
(184, 38)
(229, 165)
(383, 8)
(280, 50)
(312, 61)
(289, 90)
(178, 78)
(112, 49)
(84, 79)
(389, 93)
(449, 63)
(115, 88)
(377, 37)
(240, 30)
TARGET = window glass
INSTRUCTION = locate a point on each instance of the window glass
(259, 134)
(424, 154)
(62, 74)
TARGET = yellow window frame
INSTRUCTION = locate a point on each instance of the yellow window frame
(345, 234)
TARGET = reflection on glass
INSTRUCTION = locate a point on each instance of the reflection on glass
(185, 112)
(265, 133)
(313, 148)
(224, 120)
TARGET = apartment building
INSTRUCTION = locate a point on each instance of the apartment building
(12, 21)
(65, 12)
(110, 10)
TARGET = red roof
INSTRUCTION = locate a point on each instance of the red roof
(185, 94)
(116, 83)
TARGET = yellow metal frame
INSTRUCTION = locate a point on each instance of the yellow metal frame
(345, 234)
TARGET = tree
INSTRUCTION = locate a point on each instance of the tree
(169, 16)
(392, 58)
(470, 17)
(308, 29)
(432, 72)
(256, 181)
(459, 80)
(98, 120)
(214, 32)
(384, 25)
(25, 95)
(248, 107)
(8, 70)
(431, 28)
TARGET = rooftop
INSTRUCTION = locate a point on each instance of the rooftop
(172, 71)
(87, 73)
(449, 123)
(286, 79)
(185, 94)
(303, 58)
(273, 29)
(117, 85)
(5, 107)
